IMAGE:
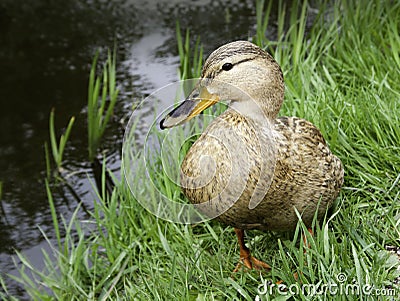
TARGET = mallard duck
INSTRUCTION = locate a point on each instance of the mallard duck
(251, 169)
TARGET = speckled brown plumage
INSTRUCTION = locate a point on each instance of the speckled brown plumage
(306, 175)
(251, 169)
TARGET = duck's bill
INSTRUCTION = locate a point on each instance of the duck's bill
(199, 100)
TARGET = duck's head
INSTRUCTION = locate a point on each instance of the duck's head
(240, 72)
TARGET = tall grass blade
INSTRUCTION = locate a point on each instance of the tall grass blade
(102, 97)
(57, 148)
(53, 214)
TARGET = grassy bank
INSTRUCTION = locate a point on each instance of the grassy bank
(343, 75)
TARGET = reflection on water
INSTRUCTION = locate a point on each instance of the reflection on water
(45, 55)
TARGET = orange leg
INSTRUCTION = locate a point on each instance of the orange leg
(296, 275)
(305, 238)
(245, 256)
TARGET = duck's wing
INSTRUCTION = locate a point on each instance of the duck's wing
(306, 155)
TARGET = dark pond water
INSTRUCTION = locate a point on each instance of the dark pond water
(46, 48)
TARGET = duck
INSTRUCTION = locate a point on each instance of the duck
(251, 169)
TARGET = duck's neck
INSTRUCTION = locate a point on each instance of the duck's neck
(253, 111)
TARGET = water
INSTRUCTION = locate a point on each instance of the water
(45, 55)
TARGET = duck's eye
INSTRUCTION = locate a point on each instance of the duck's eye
(227, 66)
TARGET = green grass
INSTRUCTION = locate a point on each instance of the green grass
(343, 76)
(190, 61)
(57, 149)
(102, 96)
